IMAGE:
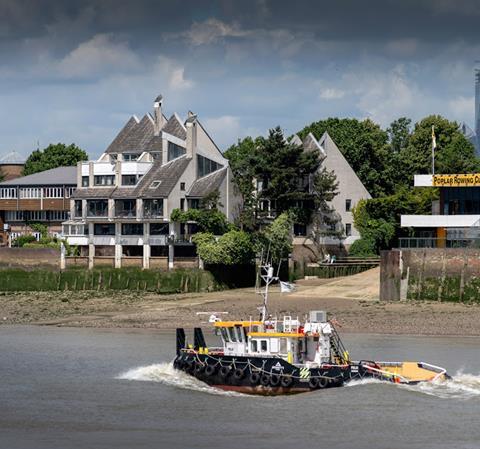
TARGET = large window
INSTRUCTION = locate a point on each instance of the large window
(194, 203)
(104, 180)
(348, 205)
(348, 229)
(36, 215)
(85, 181)
(175, 151)
(461, 200)
(158, 228)
(132, 229)
(104, 229)
(130, 180)
(8, 193)
(130, 156)
(30, 192)
(125, 208)
(97, 208)
(206, 166)
(78, 209)
(153, 208)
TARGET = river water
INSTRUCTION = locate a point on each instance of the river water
(84, 388)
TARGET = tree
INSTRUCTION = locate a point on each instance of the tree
(454, 153)
(53, 156)
(233, 248)
(241, 158)
(277, 238)
(399, 133)
(365, 147)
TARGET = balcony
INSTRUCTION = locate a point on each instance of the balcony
(153, 208)
(97, 208)
(434, 242)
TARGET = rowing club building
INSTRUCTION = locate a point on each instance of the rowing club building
(455, 218)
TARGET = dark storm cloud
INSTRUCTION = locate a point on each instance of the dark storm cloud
(83, 66)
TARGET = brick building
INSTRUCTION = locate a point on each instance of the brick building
(11, 166)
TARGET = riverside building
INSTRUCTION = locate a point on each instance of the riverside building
(43, 197)
(455, 217)
(120, 212)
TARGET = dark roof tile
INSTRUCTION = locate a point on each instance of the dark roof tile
(207, 184)
(175, 128)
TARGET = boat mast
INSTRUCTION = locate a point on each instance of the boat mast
(266, 273)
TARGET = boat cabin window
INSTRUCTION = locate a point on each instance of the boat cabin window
(239, 333)
(263, 345)
(283, 345)
(232, 334)
(224, 333)
(254, 345)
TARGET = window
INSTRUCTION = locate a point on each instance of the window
(348, 205)
(254, 345)
(129, 180)
(153, 208)
(104, 180)
(8, 193)
(182, 203)
(125, 208)
(132, 228)
(194, 203)
(175, 151)
(56, 215)
(85, 181)
(156, 156)
(206, 166)
(263, 345)
(103, 229)
(283, 346)
(232, 334)
(78, 209)
(69, 191)
(53, 192)
(299, 229)
(130, 156)
(30, 192)
(97, 208)
(155, 184)
(182, 186)
(159, 229)
(348, 229)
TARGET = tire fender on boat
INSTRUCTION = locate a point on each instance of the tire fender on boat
(274, 380)
(313, 382)
(254, 378)
(286, 381)
(323, 382)
(239, 374)
(265, 380)
(210, 370)
(225, 371)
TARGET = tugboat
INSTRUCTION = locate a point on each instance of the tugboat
(284, 356)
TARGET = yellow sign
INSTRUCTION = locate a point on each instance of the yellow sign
(468, 180)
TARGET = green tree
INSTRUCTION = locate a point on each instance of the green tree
(277, 238)
(399, 133)
(365, 147)
(233, 248)
(241, 158)
(53, 156)
(454, 153)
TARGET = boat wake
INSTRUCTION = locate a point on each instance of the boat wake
(460, 386)
(166, 374)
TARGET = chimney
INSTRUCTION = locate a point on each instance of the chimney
(191, 125)
(158, 115)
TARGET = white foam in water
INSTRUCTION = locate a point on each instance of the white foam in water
(166, 374)
(461, 386)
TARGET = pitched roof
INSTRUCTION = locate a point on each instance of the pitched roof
(134, 136)
(296, 140)
(93, 192)
(207, 184)
(167, 174)
(175, 127)
(53, 177)
(12, 158)
(310, 143)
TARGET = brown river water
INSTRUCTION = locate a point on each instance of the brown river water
(87, 388)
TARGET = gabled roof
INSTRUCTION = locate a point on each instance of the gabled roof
(175, 127)
(12, 158)
(296, 140)
(167, 174)
(207, 184)
(134, 136)
(310, 143)
(53, 177)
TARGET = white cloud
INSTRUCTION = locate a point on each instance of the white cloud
(173, 72)
(209, 31)
(227, 129)
(402, 47)
(331, 93)
(461, 107)
(99, 54)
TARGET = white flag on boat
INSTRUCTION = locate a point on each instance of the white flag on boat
(286, 287)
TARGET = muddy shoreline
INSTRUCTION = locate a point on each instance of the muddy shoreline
(352, 301)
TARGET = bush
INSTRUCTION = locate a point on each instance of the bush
(364, 247)
(23, 240)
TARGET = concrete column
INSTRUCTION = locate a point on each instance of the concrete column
(118, 246)
(111, 209)
(171, 244)
(90, 174)
(91, 247)
(146, 246)
(118, 173)
(139, 211)
(63, 263)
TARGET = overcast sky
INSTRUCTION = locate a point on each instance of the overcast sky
(75, 71)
